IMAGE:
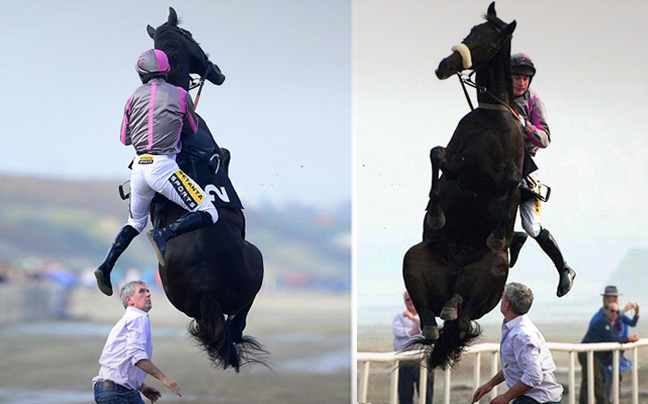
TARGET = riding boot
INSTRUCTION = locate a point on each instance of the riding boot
(519, 238)
(118, 246)
(550, 247)
(186, 223)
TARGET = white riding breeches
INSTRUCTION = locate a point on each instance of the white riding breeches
(161, 174)
(530, 210)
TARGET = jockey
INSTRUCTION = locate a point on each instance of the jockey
(155, 118)
(533, 117)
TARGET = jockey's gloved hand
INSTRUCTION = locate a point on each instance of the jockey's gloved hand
(522, 121)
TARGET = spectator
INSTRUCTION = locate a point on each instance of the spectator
(621, 326)
(602, 330)
(126, 357)
(611, 295)
(526, 362)
(407, 326)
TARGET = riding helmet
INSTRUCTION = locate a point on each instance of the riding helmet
(522, 64)
(153, 62)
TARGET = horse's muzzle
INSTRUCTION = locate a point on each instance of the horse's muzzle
(449, 66)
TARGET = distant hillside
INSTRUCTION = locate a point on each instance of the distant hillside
(630, 276)
(74, 222)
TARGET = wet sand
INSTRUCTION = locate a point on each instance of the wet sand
(307, 334)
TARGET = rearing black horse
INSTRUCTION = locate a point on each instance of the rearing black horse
(212, 272)
(459, 270)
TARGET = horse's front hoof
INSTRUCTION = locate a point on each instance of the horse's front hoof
(436, 221)
(495, 243)
(449, 313)
(431, 333)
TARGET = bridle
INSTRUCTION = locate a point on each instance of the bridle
(201, 81)
(466, 79)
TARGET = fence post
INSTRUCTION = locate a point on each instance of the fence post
(615, 377)
(364, 382)
(494, 370)
(635, 375)
(590, 377)
(572, 377)
(446, 386)
(573, 350)
(393, 385)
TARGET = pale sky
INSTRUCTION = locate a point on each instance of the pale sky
(283, 111)
(591, 58)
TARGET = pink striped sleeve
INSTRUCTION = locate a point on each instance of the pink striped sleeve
(535, 118)
(187, 109)
(536, 131)
(125, 131)
(151, 115)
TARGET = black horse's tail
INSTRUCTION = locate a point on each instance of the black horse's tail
(224, 346)
(454, 338)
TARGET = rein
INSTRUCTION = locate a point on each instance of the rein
(467, 80)
(202, 83)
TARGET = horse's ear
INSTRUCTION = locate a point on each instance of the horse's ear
(151, 31)
(508, 31)
(173, 18)
(491, 13)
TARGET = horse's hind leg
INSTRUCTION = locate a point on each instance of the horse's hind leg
(429, 327)
(415, 267)
(435, 217)
(236, 323)
(451, 308)
(420, 295)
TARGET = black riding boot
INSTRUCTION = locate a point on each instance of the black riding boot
(519, 237)
(186, 223)
(118, 246)
(550, 247)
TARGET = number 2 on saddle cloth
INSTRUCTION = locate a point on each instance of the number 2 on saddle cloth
(208, 165)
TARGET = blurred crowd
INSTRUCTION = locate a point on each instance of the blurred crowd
(53, 283)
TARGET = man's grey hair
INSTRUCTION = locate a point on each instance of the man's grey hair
(519, 296)
(128, 290)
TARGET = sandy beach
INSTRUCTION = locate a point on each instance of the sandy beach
(307, 334)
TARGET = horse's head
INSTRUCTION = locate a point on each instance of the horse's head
(483, 42)
(185, 54)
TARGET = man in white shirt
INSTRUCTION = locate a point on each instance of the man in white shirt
(526, 362)
(126, 357)
(407, 326)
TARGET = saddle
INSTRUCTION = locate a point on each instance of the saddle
(208, 165)
(538, 190)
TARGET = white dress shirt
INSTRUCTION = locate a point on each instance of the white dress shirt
(526, 358)
(402, 326)
(128, 342)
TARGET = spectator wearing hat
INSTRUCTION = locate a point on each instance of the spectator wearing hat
(602, 330)
(611, 295)
(621, 327)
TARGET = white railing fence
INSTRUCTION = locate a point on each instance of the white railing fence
(365, 359)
